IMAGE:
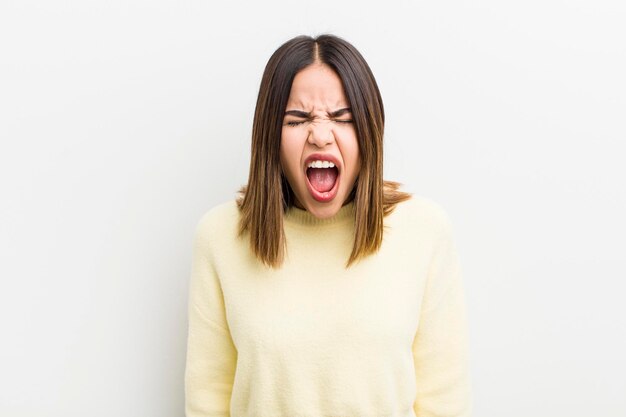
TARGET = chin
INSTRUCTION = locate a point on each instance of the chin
(324, 210)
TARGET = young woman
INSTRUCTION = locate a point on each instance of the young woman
(323, 290)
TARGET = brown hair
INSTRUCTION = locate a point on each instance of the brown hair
(266, 197)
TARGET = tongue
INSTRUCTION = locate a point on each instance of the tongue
(322, 179)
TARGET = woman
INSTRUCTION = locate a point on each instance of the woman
(323, 290)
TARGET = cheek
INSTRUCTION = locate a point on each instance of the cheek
(353, 156)
(289, 155)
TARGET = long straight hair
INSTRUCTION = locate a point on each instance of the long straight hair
(267, 195)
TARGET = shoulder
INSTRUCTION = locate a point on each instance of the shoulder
(218, 222)
(422, 213)
(219, 213)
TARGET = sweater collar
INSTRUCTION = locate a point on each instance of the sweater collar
(297, 216)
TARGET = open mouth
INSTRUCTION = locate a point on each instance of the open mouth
(323, 182)
(322, 179)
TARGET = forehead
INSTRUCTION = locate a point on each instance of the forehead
(315, 86)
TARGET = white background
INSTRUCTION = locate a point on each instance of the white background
(122, 122)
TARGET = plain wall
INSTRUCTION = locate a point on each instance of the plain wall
(122, 122)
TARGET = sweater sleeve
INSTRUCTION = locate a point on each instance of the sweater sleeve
(440, 347)
(211, 355)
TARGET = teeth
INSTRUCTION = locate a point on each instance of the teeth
(321, 164)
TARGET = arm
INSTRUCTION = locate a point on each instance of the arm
(440, 348)
(211, 355)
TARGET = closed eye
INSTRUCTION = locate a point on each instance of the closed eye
(294, 123)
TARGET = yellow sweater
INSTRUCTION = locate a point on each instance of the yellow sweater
(387, 337)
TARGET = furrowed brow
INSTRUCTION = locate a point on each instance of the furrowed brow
(339, 112)
(298, 113)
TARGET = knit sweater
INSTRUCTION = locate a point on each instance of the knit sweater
(386, 337)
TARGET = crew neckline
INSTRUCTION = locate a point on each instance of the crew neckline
(298, 216)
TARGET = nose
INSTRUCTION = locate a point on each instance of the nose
(321, 133)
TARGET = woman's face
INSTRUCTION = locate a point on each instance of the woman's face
(319, 151)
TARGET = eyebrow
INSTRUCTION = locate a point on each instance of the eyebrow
(300, 113)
